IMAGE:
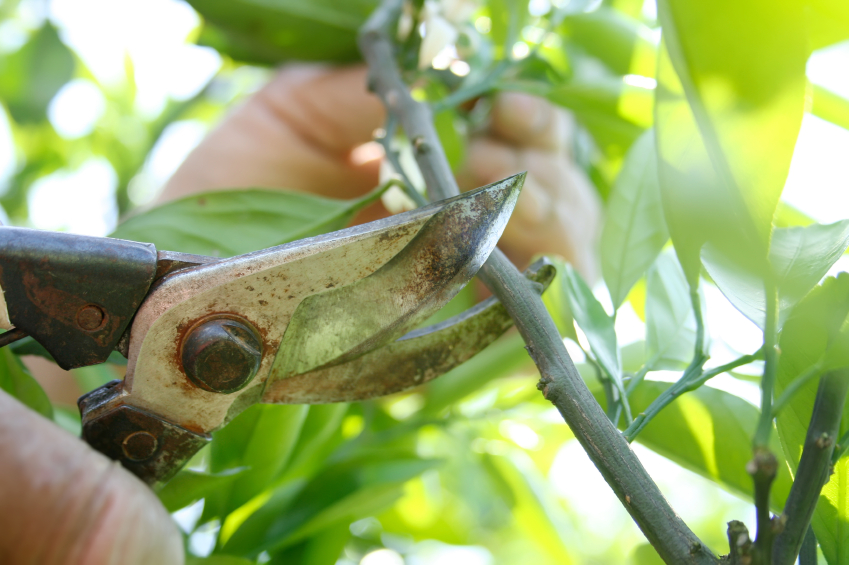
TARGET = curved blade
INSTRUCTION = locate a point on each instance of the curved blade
(341, 324)
(418, 357)
(312, 301)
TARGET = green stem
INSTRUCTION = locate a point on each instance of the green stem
(764, 429)
(841, 448)
(394, 159)
(810, 373)
(808, 554)
(693, 378)
(638, 378)
(560, 381)
(814, 466)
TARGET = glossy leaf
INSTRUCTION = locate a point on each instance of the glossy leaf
(261, 440)
(594, 322)
(799, 257)
(190, 486)
(709, 432)
(557, 303)
(816, 325)
(19, 384)
(670, 323)
(227, 223)
(343, 491)
(730, 99)
(270, 33)
(31, 76)
(634, 231)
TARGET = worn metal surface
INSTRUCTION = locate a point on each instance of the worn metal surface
(266, 287)
(151, 448)
(221, 353)
(418, 357)
(73, 294)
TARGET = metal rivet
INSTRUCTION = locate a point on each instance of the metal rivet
(139, 446)
(222, 354)
(90, 318)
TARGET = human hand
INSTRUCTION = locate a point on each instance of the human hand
(307, 128)
(64, 503)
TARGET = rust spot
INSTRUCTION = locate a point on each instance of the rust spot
(263, 302)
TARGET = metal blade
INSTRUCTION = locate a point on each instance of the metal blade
(412, 263)
(414, 359)
(344, 323)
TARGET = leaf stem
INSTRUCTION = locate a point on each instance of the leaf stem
(808, 554)
(814, 466)
(764, 429)
(560, 381)
(394, 159)
(794, 387)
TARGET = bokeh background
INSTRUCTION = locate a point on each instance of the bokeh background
(101, 101)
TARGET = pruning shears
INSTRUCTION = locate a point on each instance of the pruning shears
(325, 319)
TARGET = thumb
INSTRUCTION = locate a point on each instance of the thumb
(65, 503)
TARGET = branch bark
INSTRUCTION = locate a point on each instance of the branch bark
(560, 381)
(814, 466)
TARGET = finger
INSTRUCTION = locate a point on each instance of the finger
(557, 211)
(269, 141)
(527, 121)
(328, 107)
(64, 503)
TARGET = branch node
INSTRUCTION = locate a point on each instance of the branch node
(824, 441)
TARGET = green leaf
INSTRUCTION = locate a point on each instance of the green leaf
(830, 106)
(828, 22)
(594, 321)
(227, 223)
(190, 486)
(730, 99)
(634, 231)
(18, 383)
(619, 41)
(504, 357)
(670, 323)
(799, 257)
(269, 33)
(709, 432)
(449, 128)
(557, 303)
(344, 491)
(816, 325)
(261, 439)
(31, 77)
(218, 560)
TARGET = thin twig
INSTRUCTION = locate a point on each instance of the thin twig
(763, 468)
(764, 429)
(814, 466)
(394, 159)
(560, 381)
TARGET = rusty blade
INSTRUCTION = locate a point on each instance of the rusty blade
(264, 290)
(339, 325)
(414, 359)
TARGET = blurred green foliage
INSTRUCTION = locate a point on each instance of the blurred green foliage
(699, 159)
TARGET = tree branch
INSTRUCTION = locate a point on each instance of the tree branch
(560, 381)
(814, 466)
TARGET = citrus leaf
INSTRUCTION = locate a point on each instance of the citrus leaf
(227, 223)
(634, 231)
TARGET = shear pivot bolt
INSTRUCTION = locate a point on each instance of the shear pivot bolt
(139, 446)
(90, 318)
(222, 354)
